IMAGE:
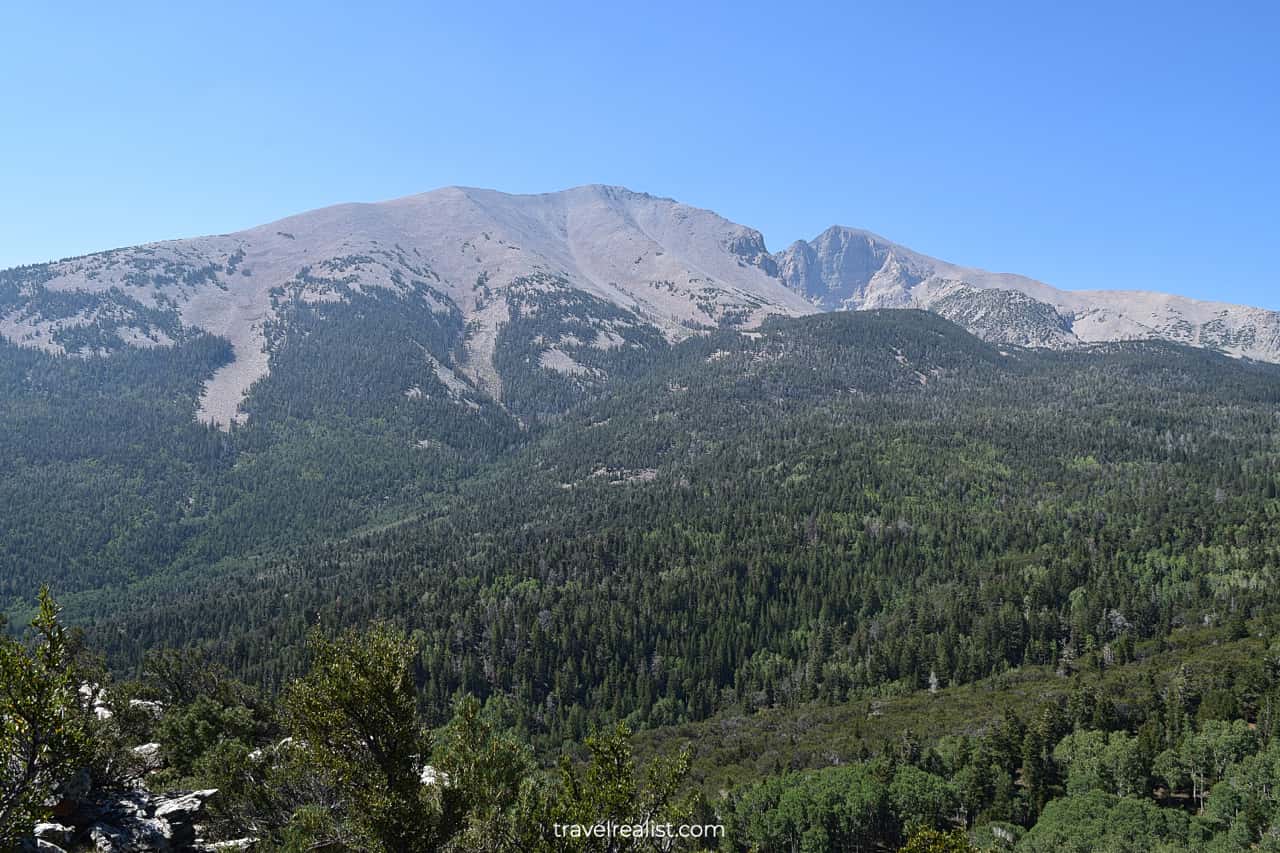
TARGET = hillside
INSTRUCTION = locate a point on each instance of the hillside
(822, 506)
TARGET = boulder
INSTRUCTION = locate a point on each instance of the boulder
(55, 833)
(149, 755)
(124, 821)
(184, 808)
(151, 834)
(432, 776)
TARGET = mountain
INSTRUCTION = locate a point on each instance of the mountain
(490, 294)
(849, 269)
(621, 261)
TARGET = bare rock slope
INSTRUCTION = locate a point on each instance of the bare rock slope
(485, 257)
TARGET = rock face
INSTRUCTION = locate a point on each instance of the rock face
(613, 263)
(845, 269)
(149, 756)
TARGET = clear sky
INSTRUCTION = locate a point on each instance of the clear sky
(1116, 144)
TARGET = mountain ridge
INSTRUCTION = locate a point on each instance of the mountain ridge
(482, 257)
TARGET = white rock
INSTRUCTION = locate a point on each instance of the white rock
(149, 754)
(432, 776)
(54, 832)
(849, 269)
(155, 709)
(184, 807)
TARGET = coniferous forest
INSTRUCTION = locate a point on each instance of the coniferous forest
(857, 581)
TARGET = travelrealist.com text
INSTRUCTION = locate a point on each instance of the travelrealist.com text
(649, 829)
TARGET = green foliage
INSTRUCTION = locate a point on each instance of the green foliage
(333, 443)
(1100, 761)
(188, 733)
(737, 529)
(921, 800)
(802, 528)
(180, 677)
(1098, 822)
(612, 788)
(1203, 756)
(860, 807)
(934, 841)
(45, 729)
(492, 773)
(113, 433)
(346, 769)
(1246, 803)
(605, 342)
(355, 718)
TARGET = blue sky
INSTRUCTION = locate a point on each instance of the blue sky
(1084, 144)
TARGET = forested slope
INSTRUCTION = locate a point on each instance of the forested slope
(832, 505)
(833, 523)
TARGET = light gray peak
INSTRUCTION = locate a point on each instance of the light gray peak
(848, 268)
(844, 233)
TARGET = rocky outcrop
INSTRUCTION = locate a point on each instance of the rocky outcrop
(128, 821)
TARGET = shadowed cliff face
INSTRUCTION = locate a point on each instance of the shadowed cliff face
(837, 269)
